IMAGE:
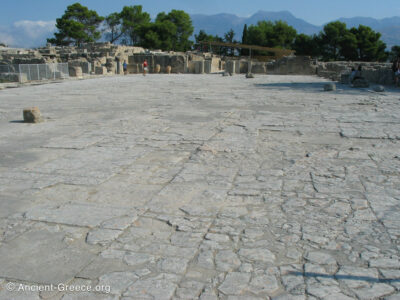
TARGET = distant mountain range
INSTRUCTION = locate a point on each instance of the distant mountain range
(28, 33)
(221, 23)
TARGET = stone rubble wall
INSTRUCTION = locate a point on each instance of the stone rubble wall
(291, 65)
(107, 59)
(87, 56)
(373, 72)
(176, 61)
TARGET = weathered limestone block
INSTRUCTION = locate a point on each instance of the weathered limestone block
(133, 68)
(101, 70)
(270, 67)
(332, 75)
(190, 67)
(58, 75)
(119, 70)
(299, 65)
(378, 73)
(207, 66)
(330, 87)
(14, 77)
(22, 78)
(157, 69)
(237, 66)
(75, 72)
(245, 66)
(176, 62)
(32, 115)
(249, 75)
(345, 78)
(258, 68)
(199, 67)
(230, 66)
(86, 67)
(215, 64)
(360, 83)
(379, 89)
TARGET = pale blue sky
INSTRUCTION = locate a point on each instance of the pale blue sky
(314, 11)
(27, 23)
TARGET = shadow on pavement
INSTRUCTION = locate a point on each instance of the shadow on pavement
(318, 87)
(346, 277)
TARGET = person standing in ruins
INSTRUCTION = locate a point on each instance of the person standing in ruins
(145, 65)
(125, 67)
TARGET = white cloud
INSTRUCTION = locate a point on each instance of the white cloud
(6, 38)
(27, 33)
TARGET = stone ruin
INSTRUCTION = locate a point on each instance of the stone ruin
(107, 59)
(373, 72)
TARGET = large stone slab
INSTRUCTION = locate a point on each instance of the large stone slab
(42, 256)
(76, 214)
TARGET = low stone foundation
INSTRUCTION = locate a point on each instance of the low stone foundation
(106, 58)
(373, 72)
(75, 72)
(101, 70)
(13, 77)
(176, 61)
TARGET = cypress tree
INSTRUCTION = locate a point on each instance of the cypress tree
(244, 40)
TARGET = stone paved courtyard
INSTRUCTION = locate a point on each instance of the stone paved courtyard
(201, 186)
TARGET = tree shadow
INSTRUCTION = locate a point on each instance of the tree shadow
(312, 86)
(346, 277)
(318, 87)
(18, 121)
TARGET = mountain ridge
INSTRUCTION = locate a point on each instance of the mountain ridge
(219, 24)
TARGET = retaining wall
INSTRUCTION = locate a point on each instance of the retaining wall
(374, 72)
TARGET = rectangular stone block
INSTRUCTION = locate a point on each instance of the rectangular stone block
(86, 67)
(75, 72)
(14, 77)
(245, 66)
(133, 68)
(119, 68)
(101, 70)
(215, 64)
(345, 79)
(258, 68)
(199, 67)
(207, 66)
(230, 66)
(76, 214)
(237, 66)
(190, 67)
(43, 257)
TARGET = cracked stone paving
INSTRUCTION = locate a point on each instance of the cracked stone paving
(201, 187)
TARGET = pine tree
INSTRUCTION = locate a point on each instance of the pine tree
(77, 25)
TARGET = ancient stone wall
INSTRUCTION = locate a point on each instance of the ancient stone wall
(285, 66)
(87, 56)
(107, 59)
(378, 73)
(373, 72)
(176, 61)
